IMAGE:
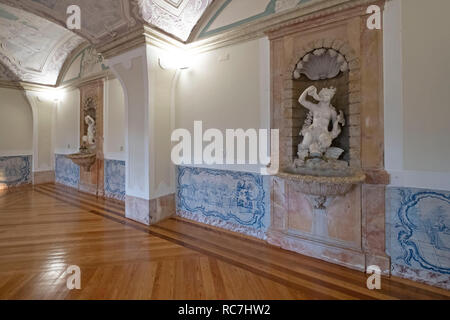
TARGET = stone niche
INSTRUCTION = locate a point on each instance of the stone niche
(91, 99)
(345, 229)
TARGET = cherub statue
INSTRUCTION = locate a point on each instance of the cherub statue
(91, 130)
(317, 138)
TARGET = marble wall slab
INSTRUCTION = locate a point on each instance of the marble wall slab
(418, 240)
(115, 179)
(238, 201)
(42, 177)
(150, 212)
(66, 172)
(15, 171)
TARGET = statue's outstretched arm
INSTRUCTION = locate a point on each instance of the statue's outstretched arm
(308, 105)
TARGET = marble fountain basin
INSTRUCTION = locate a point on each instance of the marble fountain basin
(84, 160)
(330, 183)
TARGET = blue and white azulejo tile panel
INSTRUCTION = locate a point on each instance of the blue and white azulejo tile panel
(15, 171)
(238, 201)
(419, 234)
(115, 179)
(66, 172)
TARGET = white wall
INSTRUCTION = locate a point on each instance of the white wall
(426, 89)
(114, 117)
(43, 107)
(161, 94)
(131, 69)
(16, 123)
(417, 93)
(67, 127)
(227, 88)
(45, 154)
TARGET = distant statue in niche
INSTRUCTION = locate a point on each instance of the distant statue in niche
(317, 138)
(90, 130)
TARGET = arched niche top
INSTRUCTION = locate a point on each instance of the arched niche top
(321, 64)
(340, 46)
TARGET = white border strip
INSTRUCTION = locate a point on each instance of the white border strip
(16, 153)
(420, 179)
(119, 156)
(250, 168)
(66, 151)
(393, 109)
(393, 85)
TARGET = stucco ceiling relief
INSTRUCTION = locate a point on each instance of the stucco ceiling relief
(32, 48)
(175, 17)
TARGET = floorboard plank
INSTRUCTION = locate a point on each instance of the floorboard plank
(45, 229)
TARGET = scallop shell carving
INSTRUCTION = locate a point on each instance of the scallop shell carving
(321, 64)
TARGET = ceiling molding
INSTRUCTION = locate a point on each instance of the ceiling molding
(308, 11)
(120, 45)
(69, 61)
(138, 32)
(161, 40)
(146, 35)
(209, 29)
(209, 12)
(313, 9)
(201, 30)
(107, 74)
(90, 65)
(27, 86)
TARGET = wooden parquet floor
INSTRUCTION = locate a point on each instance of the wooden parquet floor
(45, 229)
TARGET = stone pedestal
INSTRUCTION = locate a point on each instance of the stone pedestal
(150, 212)
(42, 177)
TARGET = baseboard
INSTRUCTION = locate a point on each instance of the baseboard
(42, 177)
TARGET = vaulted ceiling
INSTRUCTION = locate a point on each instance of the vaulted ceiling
(32, 49)
(177, 17)
(34, 40)
(105, 19)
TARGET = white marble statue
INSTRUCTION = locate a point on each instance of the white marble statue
(317, 138)
(91, 130)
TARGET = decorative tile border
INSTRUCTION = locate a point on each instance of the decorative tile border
(419, 234)
(66, 172)
(115, 179)
(238, 201)
(15, 171)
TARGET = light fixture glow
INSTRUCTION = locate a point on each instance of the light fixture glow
(175, 60)
(54, 95)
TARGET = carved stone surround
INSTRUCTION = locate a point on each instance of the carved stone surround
(91, 94)
(350, 229)
(292, 119)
